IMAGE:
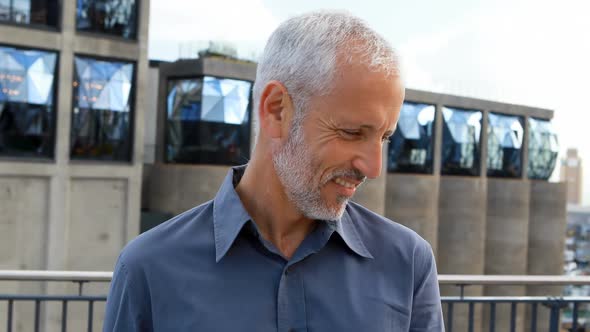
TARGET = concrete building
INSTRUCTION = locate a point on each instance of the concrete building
(570, 172)
(73, 80)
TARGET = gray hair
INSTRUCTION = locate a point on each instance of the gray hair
(304, 51)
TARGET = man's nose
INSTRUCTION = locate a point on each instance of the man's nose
(369, 159)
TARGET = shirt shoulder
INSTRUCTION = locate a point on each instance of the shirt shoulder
(178, 233)
(380, 234)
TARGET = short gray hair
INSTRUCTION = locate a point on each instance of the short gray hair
(304, 51)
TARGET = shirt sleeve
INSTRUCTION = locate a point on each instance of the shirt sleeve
(126, 307)
(426, 308)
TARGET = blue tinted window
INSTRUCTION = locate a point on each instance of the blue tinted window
(37, 12)
(27, 80)
(411, 146)
(460, 146)
(208, 121)
(101, 118)
(114, 17)
(505, 135)
(543, 149)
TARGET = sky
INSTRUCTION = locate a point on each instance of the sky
(528, 52)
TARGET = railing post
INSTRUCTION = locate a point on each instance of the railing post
(575, 317)
(555, 305)
(9, 318)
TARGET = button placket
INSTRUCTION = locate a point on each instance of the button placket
(290, 302)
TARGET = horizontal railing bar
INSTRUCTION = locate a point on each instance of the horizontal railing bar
(518, 299)
(444, 279)
(33, 275)
(513, 280)
(30, 297)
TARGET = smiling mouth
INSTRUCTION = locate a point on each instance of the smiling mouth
(345, 183)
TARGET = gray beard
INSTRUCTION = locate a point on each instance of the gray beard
(295, 167)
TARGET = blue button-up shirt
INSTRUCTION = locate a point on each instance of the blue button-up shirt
(209, 269)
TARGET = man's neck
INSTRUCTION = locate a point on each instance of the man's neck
(263, 196)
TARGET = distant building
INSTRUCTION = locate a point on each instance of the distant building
(571, 173)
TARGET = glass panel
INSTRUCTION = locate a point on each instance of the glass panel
(42, 12)
(505, 135)
(115, 17)
(460, 146)
(208, 121)
(543, 149)
(101, 118)
(410, 148)
(26, 102)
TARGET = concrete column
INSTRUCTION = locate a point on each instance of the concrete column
(461, 237)
(507, 227)
(412, 200)
(547, 225)
(177, 188)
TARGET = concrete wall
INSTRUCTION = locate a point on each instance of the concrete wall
(177, 188)
(61, 214)
(506, 243)
(412, 200)
(151, 116)
(547, 227)
(23, 229)
(461, 237)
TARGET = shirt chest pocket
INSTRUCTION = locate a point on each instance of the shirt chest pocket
(374, 317)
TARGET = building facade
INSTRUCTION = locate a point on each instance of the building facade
(570, 172)
(73, 77)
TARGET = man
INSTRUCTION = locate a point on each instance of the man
(280, 247)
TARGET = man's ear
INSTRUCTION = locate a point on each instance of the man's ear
(275, 110)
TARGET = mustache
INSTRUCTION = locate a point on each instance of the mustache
(348, 173)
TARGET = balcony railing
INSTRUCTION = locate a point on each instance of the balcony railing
(555, 305)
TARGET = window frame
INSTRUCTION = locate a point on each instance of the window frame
(165, 115)
(479, 141)
(528, 174)
(522, 120)
(432, 141)
(130, 160)
(54, 110)
(41, 27)
(114, 37)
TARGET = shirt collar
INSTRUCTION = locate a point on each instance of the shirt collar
(230, 216)
(347, 230)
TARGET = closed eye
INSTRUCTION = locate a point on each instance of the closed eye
(350, 133)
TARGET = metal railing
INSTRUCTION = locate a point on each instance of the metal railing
(555, 305)
(80, 278)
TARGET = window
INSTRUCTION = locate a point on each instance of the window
(411, 146)
(208, 121)
(460, 146)
(27, 80)
(35, 12)
(543, 149)
(102, 111)
(114, 17)
(505, 135)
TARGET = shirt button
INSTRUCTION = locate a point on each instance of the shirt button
(287, 271)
